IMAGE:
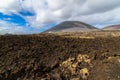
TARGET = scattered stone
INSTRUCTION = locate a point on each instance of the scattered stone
(84, 73)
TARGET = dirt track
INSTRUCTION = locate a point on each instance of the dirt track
(57, 57)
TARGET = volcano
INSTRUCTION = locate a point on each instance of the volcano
(72, 26)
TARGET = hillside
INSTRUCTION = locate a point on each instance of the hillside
(112, 27)
(61, 56)
(71, 26)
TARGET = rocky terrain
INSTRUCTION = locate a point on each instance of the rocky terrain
(61, 56)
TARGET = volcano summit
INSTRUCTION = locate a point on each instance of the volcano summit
(71, 26)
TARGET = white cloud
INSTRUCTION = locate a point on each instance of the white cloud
(8, 6)
(94, 12)
(99, 6)
(6, 27)
(106, 18)
(91, 11)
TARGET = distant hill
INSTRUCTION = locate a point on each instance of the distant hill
(71, 26)
(112, 27)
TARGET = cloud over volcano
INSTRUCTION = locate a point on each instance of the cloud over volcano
(39, 13)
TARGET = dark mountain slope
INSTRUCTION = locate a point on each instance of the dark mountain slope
(71, 26)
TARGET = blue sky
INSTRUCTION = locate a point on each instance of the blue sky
(35, 16)
(21, 22)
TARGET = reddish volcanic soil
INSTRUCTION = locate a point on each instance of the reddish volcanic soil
(58, 56)
(117, 26)
(113, 27)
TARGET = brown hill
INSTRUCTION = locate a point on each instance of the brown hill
(84, 56)
(112, 27)
(71, 26)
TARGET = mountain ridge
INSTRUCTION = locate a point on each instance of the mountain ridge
(71, 26)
